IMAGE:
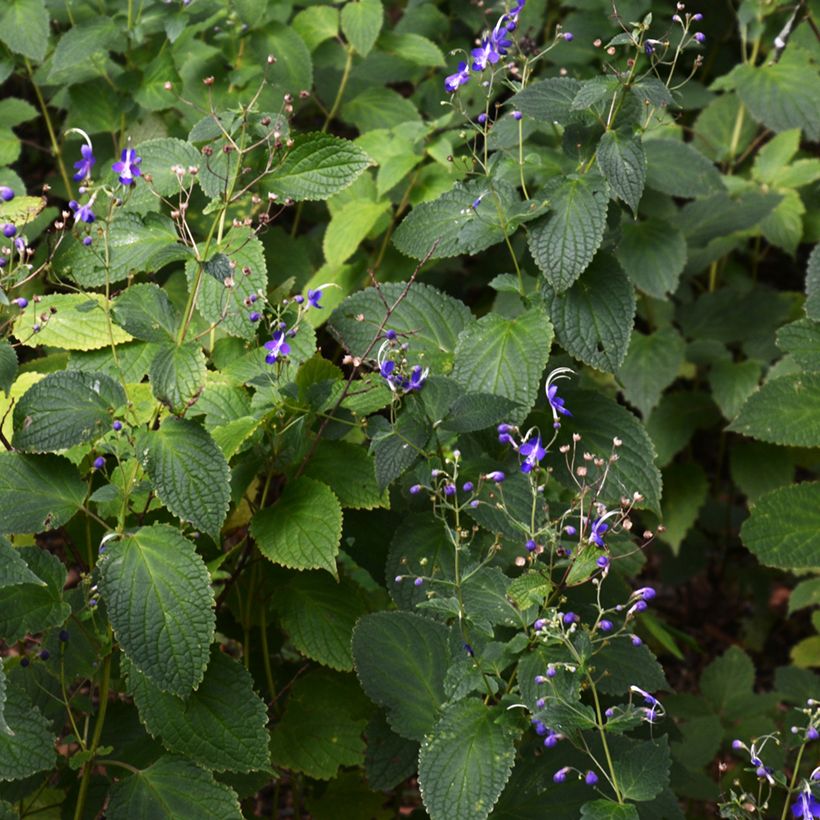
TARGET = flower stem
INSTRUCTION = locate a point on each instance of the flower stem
(793, 780)
(599, 718)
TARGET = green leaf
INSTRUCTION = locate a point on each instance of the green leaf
(775, 154)
(377, 108)
(783, 227)
(651, 365)
(24, 28)
(593, 319)
(465, 764)
(172, 787)
(652, 91)
(608, 810)
(642, 768)
(316, 24)
(65, 408)
(13, 569)
(349, 227)
(22, 209)
(189, 473)
(29, 747)
(361, 24)
(715, 129)
(396, 448)
(813, 285)
(548, 100)
(4, 726)
(732, 383)
(675, 419)
(727, 680)
(82, 51)
(719, 215)
(431, 320)
(622, 161)
(565, 241)
(802, 340)
(160, 156)
(623, 665)
(678, 169)
(318, 615)
(784, 411)
(783, 529)
(401, 660)
(38, 493)
(221, 725)
(8, 366)
(316, 167)
(783, 95)
(477, 411)
(413, 47)
(350, 472)
(159, 599)
(389, 759)
(14, 111)
(805, 594)
(685, 488)
(505, 357)
(177, 375)
(758, 468)
(77, 321)
(303, 529)
(145, 311)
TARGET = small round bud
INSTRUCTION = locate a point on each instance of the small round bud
(99, 463)
(116, 426)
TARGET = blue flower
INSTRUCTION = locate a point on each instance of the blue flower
(276, 347)
(555, 401)
(83, 166)
(533, 452)
(6, 193)
(590, 778)
(599, 527)
(82, 213)
(128, 166)
(460, 78)
(806, 806)
(417, 378)
(561, 775)
(9, 230)
(498, 477)
(313, 298)
(486, 54)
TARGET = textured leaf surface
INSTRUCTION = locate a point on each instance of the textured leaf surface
(316, 167)
(653, 254)
(13, 569)
(220, 726)
(159, 599)
(622, 161)
(361, 23)
(564, 242)
(802, 340)
(160, 155)
(678, 169)
(348, 227)
(548, 100)
(505, 357)
(8, 366)
(189, 473)
(732, 383)
(318, 614)
(350, 472)
(30, 746)
(784, 411)
(38, 493)
(783, 529)
(624, 665)
(593, 319)
(145, 311)
(607, 810)
(431, 319)
(178, 375)
(465, 764)
(396, 449)
(65, 408)
(24, 27)
(4, 726)
(642, 768)
(389, 759)
(79, 323)
(651, 365)
(813, 285)
(401, 660)
(303, 529)
(170, 788)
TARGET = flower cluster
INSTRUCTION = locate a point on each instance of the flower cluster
(394, 368)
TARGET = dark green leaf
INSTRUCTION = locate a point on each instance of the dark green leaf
(548, 100)
(813, 285)
(622, 665)
(160, 156)
(732, 383)
(678, 169)
(178, 375)
(8, 366)
(29, 748)
(608, 810)
(653, 254)
(477, 411)
(651, 365)
(621, 159)
(389, 759)
(685, 487)
(350, 472)
(802, 340)
(145, 311)
(13, 569)
(396, 449)
(642, 768)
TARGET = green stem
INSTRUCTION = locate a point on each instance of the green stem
(793, 781)
(600, 721)
(340, 93)
(263, 628)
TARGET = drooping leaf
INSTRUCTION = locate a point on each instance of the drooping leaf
(158, 596)
(653, 254)
(805, 594)
(732, 383)
(221, 725)
(623, 665)
(177, 375)
(727, 682)
(189, 472)
(65, 408)
(401, 659)
(37, 493)
(349, 227)
(758, 468)
(145, 311)
(466, 762)
(303, 529)
(622, 161)
(651, 365)
(685, 487)
(28, 747)
(361, 23)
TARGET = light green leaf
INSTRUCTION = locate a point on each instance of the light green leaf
(177, 375)
(565, 241)
(549, 100)
(715, 129)
(783, 529)
(376, 108)
(189, 473)
(318, 615)
(431, 319)
(29, 746)
(732, 383)
(412, 47)
(231, 436)
(160, 156)
(505, 357)
(784, 411)
(805, 594)
(608, 810)
(303, 529)
(21, 209)
(466, 762)
(14, 111)
(349, 227)
(813, 285)
(783, 227)
(775, 154)
(685, 488)
(806, 653)
(642, 768)
(678, 169)
(145, 311)
(38, 493)
(158, 595)
(24, 27)
(593, 319)
(77, 321)
(401, 660)
(350, 472)
(651, 365)
(172, 788)
(361, 23)
(65, 408)
(316, 167)
(221, 725)
(621, 159)
(316, 24)
(8, 366)
(82, 51)
(293, 70)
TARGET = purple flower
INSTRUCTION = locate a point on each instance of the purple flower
(561, 775)
(254, 316)
(700, 36)
(812, 733)
(20, 301)
(551, 740)
(467, 486)
(505, 438)
(418, 582)
(82, 213)
(516, 115)
(390, 334)
(599, 527)
(63, 635)
(6, 193)
(570, 530)
(646, 593)
(486, 54)
(605, 626)
(806, 806)
(602, 561)
(482, 118)
(417, 378)
(449, 490)
(128, 166)
(386, 369)
(298, 298)
(533, 452)
(276, 347)
(116, 426)
(540, 729)
(530, 545)
(9, 230)
(99, 463)
(477, 202)
(539, 624)
(636, 641)
(697, 17)
(313, 298)
(83, 166)
(568, 36)
(87, 240)
(556, 402)
(503, 428)
(45, 655)
(460, 78)
(495, 475)
(590, 778)
(737, 744)
(570, 618)
(415, 489)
